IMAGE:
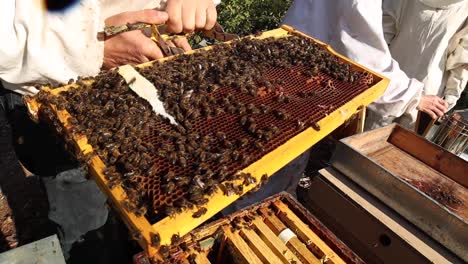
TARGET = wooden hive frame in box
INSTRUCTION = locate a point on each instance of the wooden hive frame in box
(182, 223)
(257, 235)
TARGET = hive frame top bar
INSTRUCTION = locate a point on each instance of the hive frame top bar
(183, 223)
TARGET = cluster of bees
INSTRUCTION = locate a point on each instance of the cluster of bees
(228, 114)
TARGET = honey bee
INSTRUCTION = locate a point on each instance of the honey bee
(252, 128)
(221, 135)
(249, 179)
(201, 201)
(243, 120)
(246, 160)
(231, 109)
(280, 98)
(264, 179)
(182, 181)
(164, 251)
(155, 239)
(236, 224)
(227, 144)
(169, 187)
(182, 161)
(300, 125)
(200, 212)
(223, 172)
(253, 91)
(169, 176)
(171, 211)
(241, 110)
(192, 258)
(315, 126)
(136, 236)
(259, 146)
(235, 155)
(274, 129)
(248, 218)
(281, 114)
(239, 189)
(264, 109)
(218, 111)
(242, 142)
(175, 239)
(228, 188)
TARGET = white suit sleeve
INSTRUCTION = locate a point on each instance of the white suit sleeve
(38, 45)
(457, 66)
(390, 19)
(364, 42)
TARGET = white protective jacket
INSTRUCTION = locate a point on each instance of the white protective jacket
(355, 29)
(423, 38)
(39, 46)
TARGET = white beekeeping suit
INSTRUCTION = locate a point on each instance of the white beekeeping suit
(457, 65)
(422, 36)
(354, 29)
(38, 45)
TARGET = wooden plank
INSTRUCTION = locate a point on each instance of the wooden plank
(208, 230)
(361, 120)
(294, 244)
(420, 176)
(222, 245)
(260, 248)
(200, 257)
(273, 241)
(432, 155)
(306, 234)
(242, 251)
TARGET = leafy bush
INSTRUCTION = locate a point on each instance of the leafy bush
(244, 17)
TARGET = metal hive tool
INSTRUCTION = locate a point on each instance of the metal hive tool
(324, 112)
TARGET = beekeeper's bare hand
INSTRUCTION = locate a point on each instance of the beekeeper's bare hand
(433, 105)
(189, 15)
(132, 47)
(180, 43)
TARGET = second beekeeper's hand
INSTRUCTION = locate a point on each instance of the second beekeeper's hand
(132, 47)
(433, 105)
(189, 15)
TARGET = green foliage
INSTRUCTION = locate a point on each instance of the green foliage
(244, 17)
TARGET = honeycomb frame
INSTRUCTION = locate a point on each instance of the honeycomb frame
(268, 163)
